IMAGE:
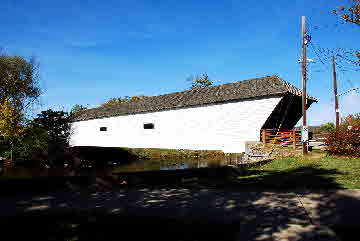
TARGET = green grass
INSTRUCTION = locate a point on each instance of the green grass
(2, 178)
(13, 174)
(315, 171)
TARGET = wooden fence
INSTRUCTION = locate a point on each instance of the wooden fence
(284, 138)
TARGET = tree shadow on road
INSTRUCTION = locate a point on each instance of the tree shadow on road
(252, 209)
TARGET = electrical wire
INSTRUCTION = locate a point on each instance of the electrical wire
(344, 60)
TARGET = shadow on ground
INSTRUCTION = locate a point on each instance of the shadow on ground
(228, 178)
(248, 210)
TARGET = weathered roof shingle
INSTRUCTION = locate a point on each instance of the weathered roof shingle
(253, 88)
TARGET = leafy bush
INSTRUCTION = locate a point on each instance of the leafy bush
(43, 140)
(345, 140)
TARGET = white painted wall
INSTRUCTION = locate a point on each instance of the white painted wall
(223, 127)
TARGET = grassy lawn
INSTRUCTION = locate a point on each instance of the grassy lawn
(314, 171)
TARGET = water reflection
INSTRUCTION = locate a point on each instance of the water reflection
(175, 167)
(158, 164)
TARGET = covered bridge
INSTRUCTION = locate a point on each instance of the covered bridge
(221, 117)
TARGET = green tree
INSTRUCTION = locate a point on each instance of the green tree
(125, 99)
(19, 82)
(55, 123)
(29, 146)
(57, 126)
(76, 109)
(327, 127)
(200, 81)
(19, 89)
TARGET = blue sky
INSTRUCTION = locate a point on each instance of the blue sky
(90, 51)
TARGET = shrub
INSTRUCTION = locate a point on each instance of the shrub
(345, 140)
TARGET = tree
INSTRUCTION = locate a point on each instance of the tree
(345, 140)
(56, 124)
(200, 81)
(10, 128)
(19, 89)
(350, 14)
(327, 127)
(76, 109)
(125, 99)
(351, 120)
(9, 121)
(19, 81)
(30, 145)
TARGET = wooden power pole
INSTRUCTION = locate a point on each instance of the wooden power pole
(303, 34)
(336, 95)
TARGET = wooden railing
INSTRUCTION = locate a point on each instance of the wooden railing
(320, 137)
(284, 138)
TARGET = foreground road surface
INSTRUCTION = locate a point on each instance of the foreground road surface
(270, 215)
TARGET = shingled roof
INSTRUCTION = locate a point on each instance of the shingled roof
(253, 88)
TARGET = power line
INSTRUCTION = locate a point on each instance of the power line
(324, 54)
(349, 60)
(353, 89)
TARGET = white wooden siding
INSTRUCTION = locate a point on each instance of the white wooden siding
(223, 127)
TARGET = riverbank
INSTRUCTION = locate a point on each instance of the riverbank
(165, 154)
(125, 153)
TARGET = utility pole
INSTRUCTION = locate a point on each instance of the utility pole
(303, 35)
(336, 95)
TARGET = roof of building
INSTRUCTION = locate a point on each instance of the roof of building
(253, 88)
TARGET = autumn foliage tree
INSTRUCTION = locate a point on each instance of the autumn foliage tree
(346, 139)
(19, 89)
(10, 127)
(350, 14)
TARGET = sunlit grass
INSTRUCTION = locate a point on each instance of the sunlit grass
(305, 172)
